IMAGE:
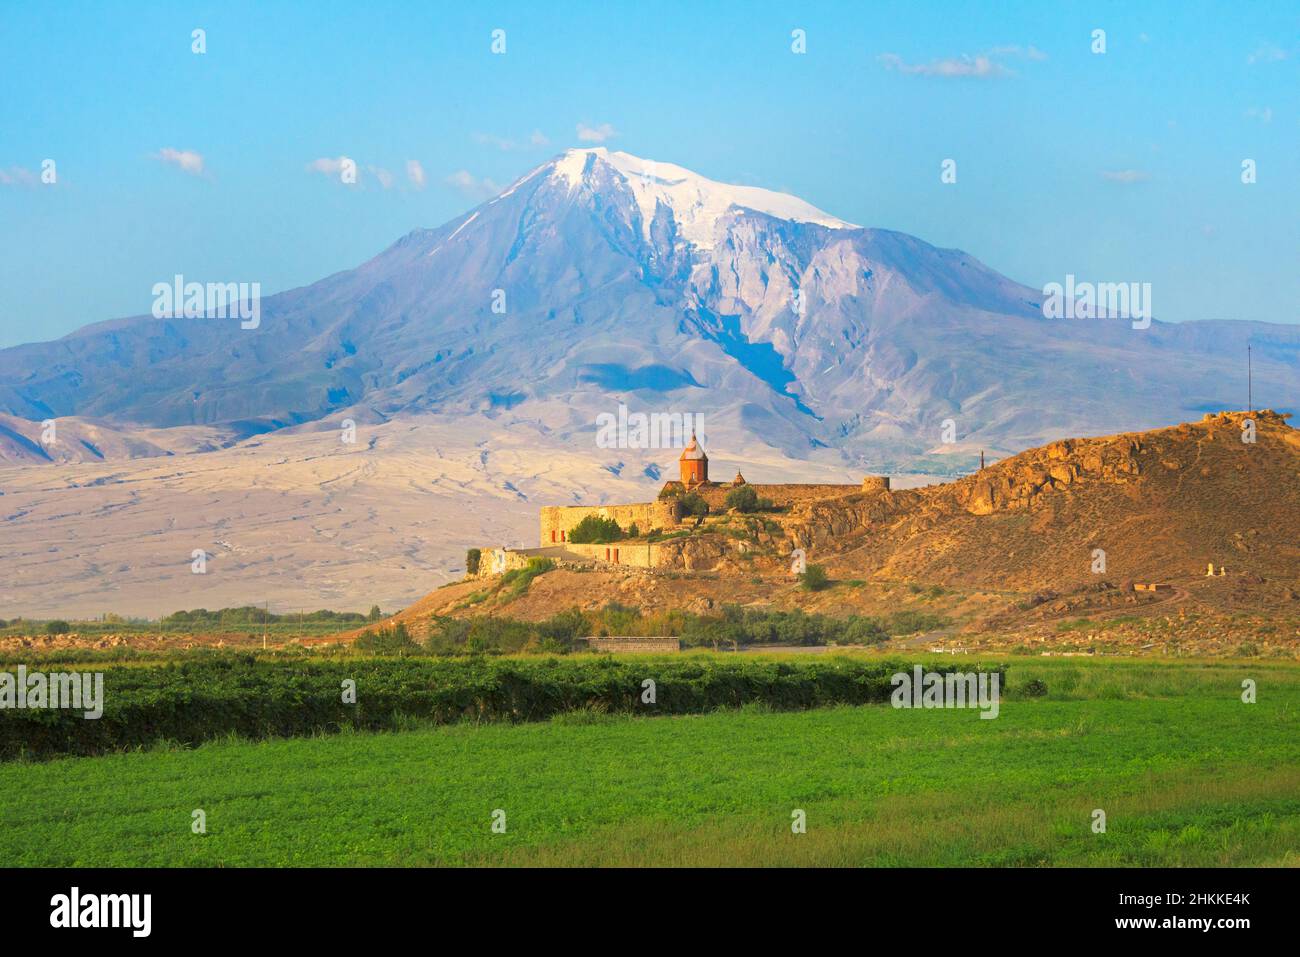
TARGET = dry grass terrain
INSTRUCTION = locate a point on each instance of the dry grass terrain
(1007, 554)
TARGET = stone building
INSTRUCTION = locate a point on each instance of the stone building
(666, 513)
(694, 464)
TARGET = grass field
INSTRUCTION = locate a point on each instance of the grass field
(1186, 773)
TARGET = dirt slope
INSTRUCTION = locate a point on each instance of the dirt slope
(1010, 549)
(1160, 504)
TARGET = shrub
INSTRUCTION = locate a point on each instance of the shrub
(693, 504)
(732, 626)
(472, 558)
(388, 641)
(497, 635)
(814, 578)
(863, 631)
(1035, 688)
(910, 622)
(57, 627)
(760, 627)
(519, 579)
(239, 694)
(559, 633)
(239, 619)
(743, 498)
(447, 636)
(594, 530)
(633, 531)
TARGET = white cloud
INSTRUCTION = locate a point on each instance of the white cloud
(327, 166)
(978, 66)
(415, 173)
(18, 176)
(1267, 53)
(1262, 113)
(536, 140)
(1126, 175)
(187, 160)
(342, 168)
(384, 176)
(596, 134)
(1030, 52)
(496, 142)
(471, 185)
(982, 65)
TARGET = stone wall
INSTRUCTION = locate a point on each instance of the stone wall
(794, 494)
(498, 561)
(634, 645)
(635, 554)
(691, 553)
(558, 520)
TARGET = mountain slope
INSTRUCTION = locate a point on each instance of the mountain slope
(1161, 505)
(625, 280)
(1008, 550)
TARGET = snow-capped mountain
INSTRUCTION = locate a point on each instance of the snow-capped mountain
(600, 278)
(696, 205)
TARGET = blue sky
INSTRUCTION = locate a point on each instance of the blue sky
(1122, 166)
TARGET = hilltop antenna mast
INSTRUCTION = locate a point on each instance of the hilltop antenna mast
(1250, 384)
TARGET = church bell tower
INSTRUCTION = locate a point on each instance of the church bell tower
(694, 463)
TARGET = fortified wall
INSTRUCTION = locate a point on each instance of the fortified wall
(558, 520)
(636, 554)
(691, 553)
(781, 495)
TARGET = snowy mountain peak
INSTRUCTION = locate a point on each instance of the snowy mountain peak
(695, 201)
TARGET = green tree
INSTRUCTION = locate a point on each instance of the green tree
(472, 558)
(375, 613)
(743, 498)
(693, 504)
(57, 627)
(594, 530)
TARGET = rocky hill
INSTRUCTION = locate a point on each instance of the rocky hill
(1161, 504)
(1061, 531)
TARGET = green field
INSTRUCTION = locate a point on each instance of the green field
(1186, 773)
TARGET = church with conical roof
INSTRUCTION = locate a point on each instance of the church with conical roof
(694, 464)
(649, 533)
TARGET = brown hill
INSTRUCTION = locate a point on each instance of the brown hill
(1006, 552)
(1161, 504)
